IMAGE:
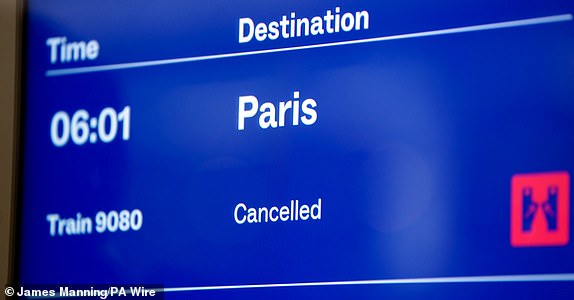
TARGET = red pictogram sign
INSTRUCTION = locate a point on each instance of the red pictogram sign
(539, 210)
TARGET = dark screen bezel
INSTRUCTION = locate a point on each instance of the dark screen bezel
(18, 148)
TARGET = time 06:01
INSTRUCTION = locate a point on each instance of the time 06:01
(81, 128)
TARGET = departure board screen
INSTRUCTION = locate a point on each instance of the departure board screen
(298, 149)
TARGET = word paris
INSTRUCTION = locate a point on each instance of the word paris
(276, 115)
(291, 27)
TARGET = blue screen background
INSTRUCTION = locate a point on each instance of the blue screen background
(412, 153)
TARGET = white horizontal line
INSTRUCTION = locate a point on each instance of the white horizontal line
(566, 277)
(490, 26)
(561, 277)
